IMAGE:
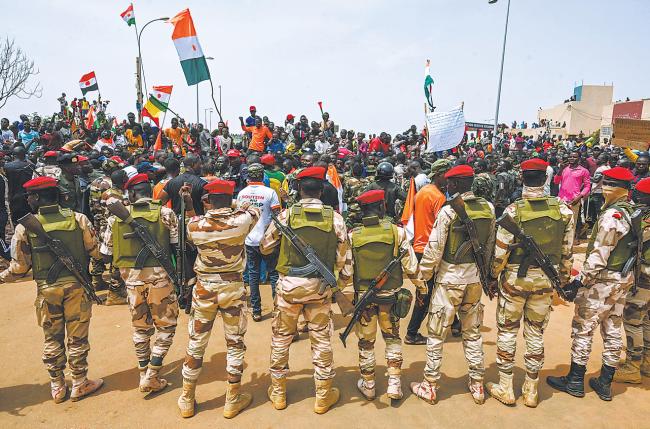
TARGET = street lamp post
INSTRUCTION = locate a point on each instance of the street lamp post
(219, 101)
(211, 119)
(140, 65)
(205, 114)
(197, 95)
(503, 56)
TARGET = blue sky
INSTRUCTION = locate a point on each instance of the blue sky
(364, 59)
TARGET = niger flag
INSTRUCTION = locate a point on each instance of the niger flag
(407, 215)
(189, 49)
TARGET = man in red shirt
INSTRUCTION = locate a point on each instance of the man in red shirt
(260, 134)
(380, 144)
(428, 202)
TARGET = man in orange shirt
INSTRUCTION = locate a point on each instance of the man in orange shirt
(260, 132)
(428, 202)
(175, 134)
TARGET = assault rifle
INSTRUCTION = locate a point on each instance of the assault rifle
(472, 241)
(368, 296)
(182, 259)
(61, 254)
(533, 254)
(151, 246)
(634, 262)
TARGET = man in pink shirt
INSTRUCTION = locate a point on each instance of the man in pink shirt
(574, 183)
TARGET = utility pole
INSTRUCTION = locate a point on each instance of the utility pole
(139, 87)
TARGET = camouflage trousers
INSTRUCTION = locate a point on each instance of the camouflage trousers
(531, 298)
(97, 267)
(446, 301)
(61, 309)
(209, 298)
(636, 319)
(153, 307)
(116, 279)
(293, 297)
(601, 304)
(367, 333)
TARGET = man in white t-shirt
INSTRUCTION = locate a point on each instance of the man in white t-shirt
(266, 199)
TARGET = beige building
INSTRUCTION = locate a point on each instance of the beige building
(635, 109)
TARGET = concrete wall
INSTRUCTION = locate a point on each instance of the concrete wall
(584, 115)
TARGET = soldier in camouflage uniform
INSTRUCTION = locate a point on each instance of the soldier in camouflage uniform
(600, 290)
(372, 247)
(484, 184)
(457, 287)
(152, 299)
(324, 229)
(550, 222)
(50, 169)
(219, 288)
(352, 188)
(61, 306)
(506, 186)
(393, 192)
(636, 316)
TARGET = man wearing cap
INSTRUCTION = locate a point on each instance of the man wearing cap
(151, 296)
(238, 171)
(549, 221)
(458, 287)
(259, 134)
(219, 236)
(600, 290)
(324, 229)
(69, 183)
(289, 127)
(50, 169)
(148, 169)
(266, 199)
(250, 121)
(427, 204)
(636, 316)
(276, 176)
(61, 305)
(372, 247)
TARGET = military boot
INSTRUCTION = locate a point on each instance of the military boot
(99, 283)
(529, 391)
(502, 392)
(152, 381)
(366, 385)
(629, 372)
(395, 384)
(602, 385)
(425, 390)
(326, 396)
(116, 296)
(645, 366)
(143, 372)
(235, 401)
(476, 389)
(278, 393)
(186, 400)
(83, 387)
(59, 390)
(573, 383)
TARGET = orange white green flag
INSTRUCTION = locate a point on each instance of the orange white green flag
(189, 49)
(407, 214)
(129, 16)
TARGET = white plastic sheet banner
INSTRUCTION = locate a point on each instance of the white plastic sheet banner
(446, 129)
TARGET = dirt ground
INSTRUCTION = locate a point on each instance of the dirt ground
(25, 400)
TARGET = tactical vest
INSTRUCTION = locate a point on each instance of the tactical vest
(646, 245)
(314, 225)
(375, 245)
(622, 252)
(61, 225)
(125, 251)
(541, 219)
(479, 211)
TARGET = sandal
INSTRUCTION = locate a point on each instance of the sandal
(418, 340)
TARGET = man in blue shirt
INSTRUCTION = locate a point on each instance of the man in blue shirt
(28, 137)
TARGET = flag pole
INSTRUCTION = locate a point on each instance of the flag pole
(215, 103)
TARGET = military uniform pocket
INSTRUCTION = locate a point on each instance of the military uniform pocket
(437, 319)
(86, 308)
(42, 312)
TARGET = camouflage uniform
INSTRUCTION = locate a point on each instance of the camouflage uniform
(151, 297)
(96, 188)
(457, 291)
(219, 237)
(295, 295)
(60, 307)
(352, 188)
(107, 198)
(529, 297)
(484, 186)
(52, 171)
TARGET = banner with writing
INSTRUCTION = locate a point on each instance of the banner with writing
(445, 129)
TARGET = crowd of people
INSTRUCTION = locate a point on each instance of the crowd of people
(345, 193)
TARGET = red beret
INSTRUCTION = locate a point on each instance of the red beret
(138, 178)
(51, 153)
(220, 187)
(315, 172)
(268, 159)
(619, 173)
(460, 171)
(371, 196)
(82, 158)
(117, 158)
(233, 153)
(643, 185)
(534, 164)
(252, 108)
(40, 183)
